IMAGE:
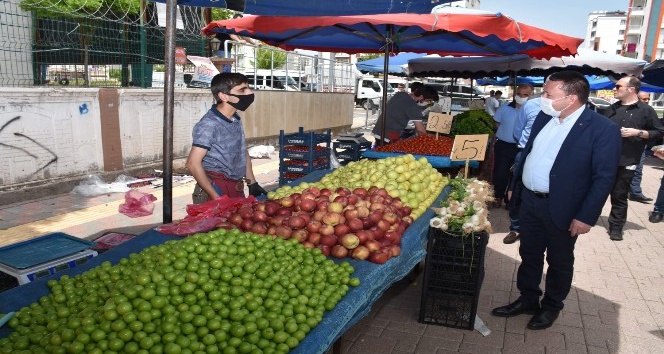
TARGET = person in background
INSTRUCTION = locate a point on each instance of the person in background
(492, 103)
(402, 108)
(525, 118)
(560, 185)
(226, 50)
(401, 87)
(635, 191)
(638, 122)
(218, 159)
(505, 148)
(658, 213)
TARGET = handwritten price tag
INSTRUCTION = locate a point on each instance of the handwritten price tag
(445, 104)
(476, 104)
(439, 123)
(469, 147)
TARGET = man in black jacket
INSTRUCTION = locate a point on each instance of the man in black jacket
(638, 123)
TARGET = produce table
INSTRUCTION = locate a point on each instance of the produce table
(375, 279)
(435, 161)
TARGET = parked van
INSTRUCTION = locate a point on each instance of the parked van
(265, 79)
(369, 91)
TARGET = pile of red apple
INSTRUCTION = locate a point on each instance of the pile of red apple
(362, 224)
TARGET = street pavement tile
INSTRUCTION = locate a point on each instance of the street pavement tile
(447, 333)
(571, 319)
(428, 345)
(517, 324)
(571, 334)
(572, 306)
(477, 348)
(599, 337)
(571, 348)
(407, 325)
(397, 313)
(597, 350)
(595, 322)
(405, 341)
(494, 340)
(546, 338)
(515, 344)
(372, 344)
(596, 304)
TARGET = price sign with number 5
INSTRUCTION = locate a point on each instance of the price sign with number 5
(469, 147)
(439, 122)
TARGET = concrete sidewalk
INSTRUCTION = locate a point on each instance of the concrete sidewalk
(616, 304)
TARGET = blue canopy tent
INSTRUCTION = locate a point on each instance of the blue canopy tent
(605, 83)
(395, 66)
(507, 81)
(653, 73)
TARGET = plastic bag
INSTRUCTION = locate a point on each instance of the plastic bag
(137, 204)
(334, 163)
(188, 227)
(205, 217)
(261, 151)
(93, 185)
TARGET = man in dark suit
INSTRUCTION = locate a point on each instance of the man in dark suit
(562, 182)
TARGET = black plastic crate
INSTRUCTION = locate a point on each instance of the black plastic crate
(453, 277)
(316, 152)
(305, 138)
(349, 151)
(288, 177)
(305, 169)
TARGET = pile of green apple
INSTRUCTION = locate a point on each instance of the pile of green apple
(221, 292)
(412, 180)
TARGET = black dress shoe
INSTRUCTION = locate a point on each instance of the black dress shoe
(656, 217)
(543, 319)
(616, 235)
(516, 308)
(640, 199)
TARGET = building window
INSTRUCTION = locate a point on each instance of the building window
(621, 32)
(618, 51)
(620, 42)
(622, 22)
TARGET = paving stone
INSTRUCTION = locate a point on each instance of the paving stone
(545, 338)
(427, 345)
(446, 333)
(372, 344)
(597, 350)
(571, 348)
(406, 342)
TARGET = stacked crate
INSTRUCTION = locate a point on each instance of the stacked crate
(347, 151)
(301, 153)
(452, 278)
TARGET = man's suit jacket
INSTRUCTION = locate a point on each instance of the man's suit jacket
(583, 173)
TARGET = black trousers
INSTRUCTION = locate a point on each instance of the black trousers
(504, 155)
(540, 235)
(621, 188)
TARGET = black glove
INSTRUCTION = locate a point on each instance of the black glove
(256, 190)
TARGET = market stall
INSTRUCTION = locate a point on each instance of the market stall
(374, 279)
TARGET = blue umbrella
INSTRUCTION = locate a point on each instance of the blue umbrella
(396, 64)
(507, 81)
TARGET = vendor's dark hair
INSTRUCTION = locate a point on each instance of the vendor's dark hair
(224, 82)
(415, 85)
(429, 93)
(573, 84)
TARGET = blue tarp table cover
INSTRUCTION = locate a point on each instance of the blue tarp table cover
(374, 278)
(435, 161)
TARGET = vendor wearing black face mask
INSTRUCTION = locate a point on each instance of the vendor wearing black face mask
(218, 159)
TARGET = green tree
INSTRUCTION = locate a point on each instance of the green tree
(269, 58)
(369, 56)
(222, 14)
(86, 13)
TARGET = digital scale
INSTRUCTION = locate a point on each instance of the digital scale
(30, 260)
(357, 138)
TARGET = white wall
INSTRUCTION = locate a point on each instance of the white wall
(46, 133)
(142, 123)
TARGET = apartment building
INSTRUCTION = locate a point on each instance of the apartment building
(606, 31)
(644, 30)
